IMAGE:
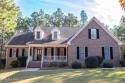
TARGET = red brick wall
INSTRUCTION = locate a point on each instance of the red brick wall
(94, 45)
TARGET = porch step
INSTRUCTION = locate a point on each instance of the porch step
(34, 64)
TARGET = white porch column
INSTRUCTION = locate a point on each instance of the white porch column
(42, 59)
(35, 56)
(29, 51)
(54, 54)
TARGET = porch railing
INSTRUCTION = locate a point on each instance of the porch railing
(54, 58)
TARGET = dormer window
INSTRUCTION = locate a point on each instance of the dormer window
(38, 34)
(55, 34)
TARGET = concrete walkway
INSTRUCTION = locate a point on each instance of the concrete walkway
(30, 69)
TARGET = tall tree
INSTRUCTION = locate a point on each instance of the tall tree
(119, 30)
(84, 17)
(24, 24)
(48, 20)
(58, 18)
(70, 20)
(8, 16)
(35, 19)
(122, 3)
(41, 18)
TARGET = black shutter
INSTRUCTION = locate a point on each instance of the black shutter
(103, 54)
(86, 51)
(89, 33)
(64, 51)
(10, 52)
(111, 52)
(97, 32)
(58, 51)
(52, 53)
(45, 51)
(77, 52)
(17, 52)
(23, 50)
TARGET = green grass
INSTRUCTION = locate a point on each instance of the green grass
(63, 76)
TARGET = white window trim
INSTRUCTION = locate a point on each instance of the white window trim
(62, 49)
(83, 53)
(95, 34)
(38, 29)
(58, 33)
(106, 53)
(49, 49)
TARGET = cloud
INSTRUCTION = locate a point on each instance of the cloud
(107, 11)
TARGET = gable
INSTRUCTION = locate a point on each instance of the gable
(94, 24)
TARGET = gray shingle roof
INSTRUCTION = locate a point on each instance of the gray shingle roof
(65, 34)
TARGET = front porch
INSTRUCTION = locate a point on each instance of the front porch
(47, 54)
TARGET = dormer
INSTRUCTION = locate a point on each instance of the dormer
(55, 33)
(39, 34)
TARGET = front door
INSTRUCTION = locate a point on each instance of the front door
(39, 54)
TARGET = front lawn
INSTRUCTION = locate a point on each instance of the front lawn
(64, 76)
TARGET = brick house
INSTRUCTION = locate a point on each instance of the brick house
(64, 44)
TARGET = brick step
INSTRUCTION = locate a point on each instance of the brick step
(34, 64)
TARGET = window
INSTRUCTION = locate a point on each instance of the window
(48, 51)
(17, 50)
(23, 52)
(62, 51)
(55, 35)
(93, 34)
(38, 35)
(107, 53)
(10, 52)
(81, 53)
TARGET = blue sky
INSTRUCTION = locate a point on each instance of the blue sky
(107, 11)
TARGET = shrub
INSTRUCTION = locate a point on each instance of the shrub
(3, 62)
(91, 62)
(107, 65)
(76, 65)
(100, 59)
(22, 60)
(122, 62)
(14, 64)
(62, 64)
(124, 55)
(1, 65)
(53, 64)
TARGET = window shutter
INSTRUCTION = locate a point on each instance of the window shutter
(45, 51)
(58, 51)
(103, 54)
(89, 33)
(97, 32)
(10, 52)
(17, 52)
(23, 50)
(52, 51)
(86, 51)
(111, 52)
(64, 51)
(77, 52)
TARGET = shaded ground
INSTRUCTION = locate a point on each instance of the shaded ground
(64, 76)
